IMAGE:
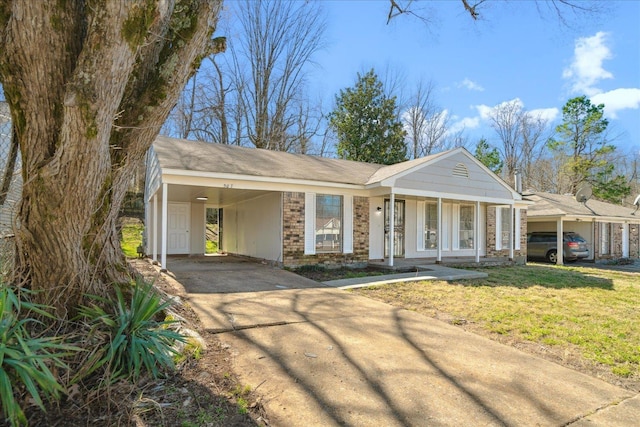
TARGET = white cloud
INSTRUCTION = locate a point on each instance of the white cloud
(487, 112)
(618, 99)
(463, 124)
(548, 114)
(471, 85)
(586, 69)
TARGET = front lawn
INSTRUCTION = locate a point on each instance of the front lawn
(583, 317)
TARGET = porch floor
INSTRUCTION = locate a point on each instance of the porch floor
(417, 264)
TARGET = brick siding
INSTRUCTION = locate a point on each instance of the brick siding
(491, 228)
(293, 235)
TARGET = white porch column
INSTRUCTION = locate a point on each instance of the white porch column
(392, 218)
(476, 233)
(439, 239)
(165, 209)
(154, 231)
(511, 233)
(559, 242)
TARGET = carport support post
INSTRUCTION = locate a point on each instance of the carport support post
(439, 236)
(163, 261)
(559, 243)
(154, 231)
(392, 209)
(512, 233)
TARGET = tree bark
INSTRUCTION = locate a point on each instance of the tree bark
(89, 85)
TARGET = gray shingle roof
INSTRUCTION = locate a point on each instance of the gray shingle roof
(198, 156)
(548, 204)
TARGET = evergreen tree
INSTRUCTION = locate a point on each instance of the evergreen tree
(366, 123)
(489, 156)
(582, 138)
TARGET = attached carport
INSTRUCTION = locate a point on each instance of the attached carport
(176, 217)
(611, 231)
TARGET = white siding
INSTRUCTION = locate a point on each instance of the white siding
(439, 177)
(153, 178)
(450, 227)
(197, 228)
(253, 227)
(410, 228)
(376, 228)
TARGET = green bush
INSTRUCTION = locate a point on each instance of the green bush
(26, 361)
(135, 341)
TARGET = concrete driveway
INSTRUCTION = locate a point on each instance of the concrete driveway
(321, 356)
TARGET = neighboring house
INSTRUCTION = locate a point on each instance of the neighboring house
(299, 210)
(612, 231)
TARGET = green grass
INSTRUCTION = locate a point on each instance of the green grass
(210, 247)
(131, 238)
(594, 310)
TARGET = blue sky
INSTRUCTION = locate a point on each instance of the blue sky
(512, 53)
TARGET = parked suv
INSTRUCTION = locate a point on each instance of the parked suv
(542, 245)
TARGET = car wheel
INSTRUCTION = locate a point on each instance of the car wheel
(552, 256)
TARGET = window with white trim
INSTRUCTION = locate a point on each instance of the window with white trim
(504, 234)
(328, 223)
(430, 225)
(466, 230)
(505, 228)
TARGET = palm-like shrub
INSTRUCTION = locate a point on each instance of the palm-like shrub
(136, 342)
(26, 361)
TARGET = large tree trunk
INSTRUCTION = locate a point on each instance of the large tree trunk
(89, 85)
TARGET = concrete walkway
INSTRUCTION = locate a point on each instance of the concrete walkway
(433, 272)
(321, 356)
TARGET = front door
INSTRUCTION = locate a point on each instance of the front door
(178, 224)
(398, 228)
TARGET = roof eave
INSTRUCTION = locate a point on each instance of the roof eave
(253, 178)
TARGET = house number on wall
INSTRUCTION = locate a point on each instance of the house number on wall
(227, 185)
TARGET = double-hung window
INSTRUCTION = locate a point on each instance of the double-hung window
(430, 225)
(328, 223)
(466, 226)
(505, 227)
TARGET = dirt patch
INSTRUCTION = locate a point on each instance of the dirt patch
(203, 391)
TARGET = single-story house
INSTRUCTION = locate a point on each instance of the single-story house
(297, 210)
(611, 231)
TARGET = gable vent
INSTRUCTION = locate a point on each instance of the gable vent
(461, 171)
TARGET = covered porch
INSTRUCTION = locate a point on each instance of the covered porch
(452, 230)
